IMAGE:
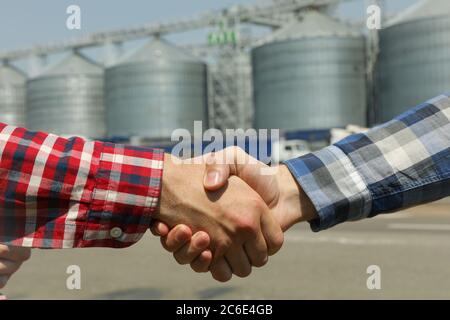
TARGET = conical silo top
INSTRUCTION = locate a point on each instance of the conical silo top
(74, 64)
(422, 10)
(10, 75)
(313, 24)
(158, 50)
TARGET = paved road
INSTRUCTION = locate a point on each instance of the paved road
(412, 248)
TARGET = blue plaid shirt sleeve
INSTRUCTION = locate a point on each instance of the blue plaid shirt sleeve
(401, 163)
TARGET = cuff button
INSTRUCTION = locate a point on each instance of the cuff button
(115, 232)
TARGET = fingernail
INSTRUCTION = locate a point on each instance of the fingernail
(181, 235)
(212, 178)
(199, 241)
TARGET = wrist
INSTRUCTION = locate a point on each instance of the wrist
(295, 201)
(165, 202)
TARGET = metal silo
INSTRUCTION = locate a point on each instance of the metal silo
(310, 75)
(67, 99)
(154, 91)
(12, 96)
(414, 60)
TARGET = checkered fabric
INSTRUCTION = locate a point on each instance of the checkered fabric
(402, 163)
(65, 193)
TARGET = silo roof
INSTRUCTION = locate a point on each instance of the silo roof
(422, 9)
(159, 49)
(9, 74)
(75, 63)
(313, 24)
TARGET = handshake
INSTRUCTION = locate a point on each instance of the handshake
(226, 212)
(223, 212)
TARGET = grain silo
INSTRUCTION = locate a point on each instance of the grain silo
(154, 91)
(12, 96)
(310, 75)
(414, 60)
(67, 99)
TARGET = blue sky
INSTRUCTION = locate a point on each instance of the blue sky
(24, 22)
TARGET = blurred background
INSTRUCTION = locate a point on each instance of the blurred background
(137, 70)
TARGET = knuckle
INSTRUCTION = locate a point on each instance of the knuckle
(276, 243)
(181, 259)
(221, 277)
(260, 261)
(247, 224)
(244, 272)
(198, 267)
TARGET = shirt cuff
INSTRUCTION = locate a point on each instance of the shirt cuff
(126, 193)
(334, 186)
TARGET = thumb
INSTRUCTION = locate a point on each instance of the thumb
(234, 161)
(216, 175)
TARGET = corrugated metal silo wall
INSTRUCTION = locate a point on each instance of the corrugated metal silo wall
(67, 105)
(310, 83)
(414, 65)
(152, 99)
(12, 98)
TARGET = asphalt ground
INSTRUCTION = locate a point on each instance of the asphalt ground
(411, 248)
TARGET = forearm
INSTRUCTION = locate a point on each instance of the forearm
(402, 163)
(64, 193)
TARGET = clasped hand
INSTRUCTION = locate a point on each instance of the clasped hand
(225, 214)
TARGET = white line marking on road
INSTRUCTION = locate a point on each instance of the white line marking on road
(419, 226)
(343, 240)
(402, 215)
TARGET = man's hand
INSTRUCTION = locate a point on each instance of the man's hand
(277, 187)
(241, 230)
(280, 191)
(11, 258)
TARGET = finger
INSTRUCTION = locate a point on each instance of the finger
(256, 251)
(272, 232)
(3, 282)
(159, 229)
(177, 237)
(221, 271)
(202, 262)
(191, 250)
(8, 267)
(14, 253)
(238, 261)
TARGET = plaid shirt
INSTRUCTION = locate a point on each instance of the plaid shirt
(65, 193)
(401, 163)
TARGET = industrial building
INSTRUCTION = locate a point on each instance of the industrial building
(154, 91)
(310, 73)
(414, 60)
(67, 98)
(12, 95)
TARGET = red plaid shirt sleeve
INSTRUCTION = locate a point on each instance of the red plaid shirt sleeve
(66, 193)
